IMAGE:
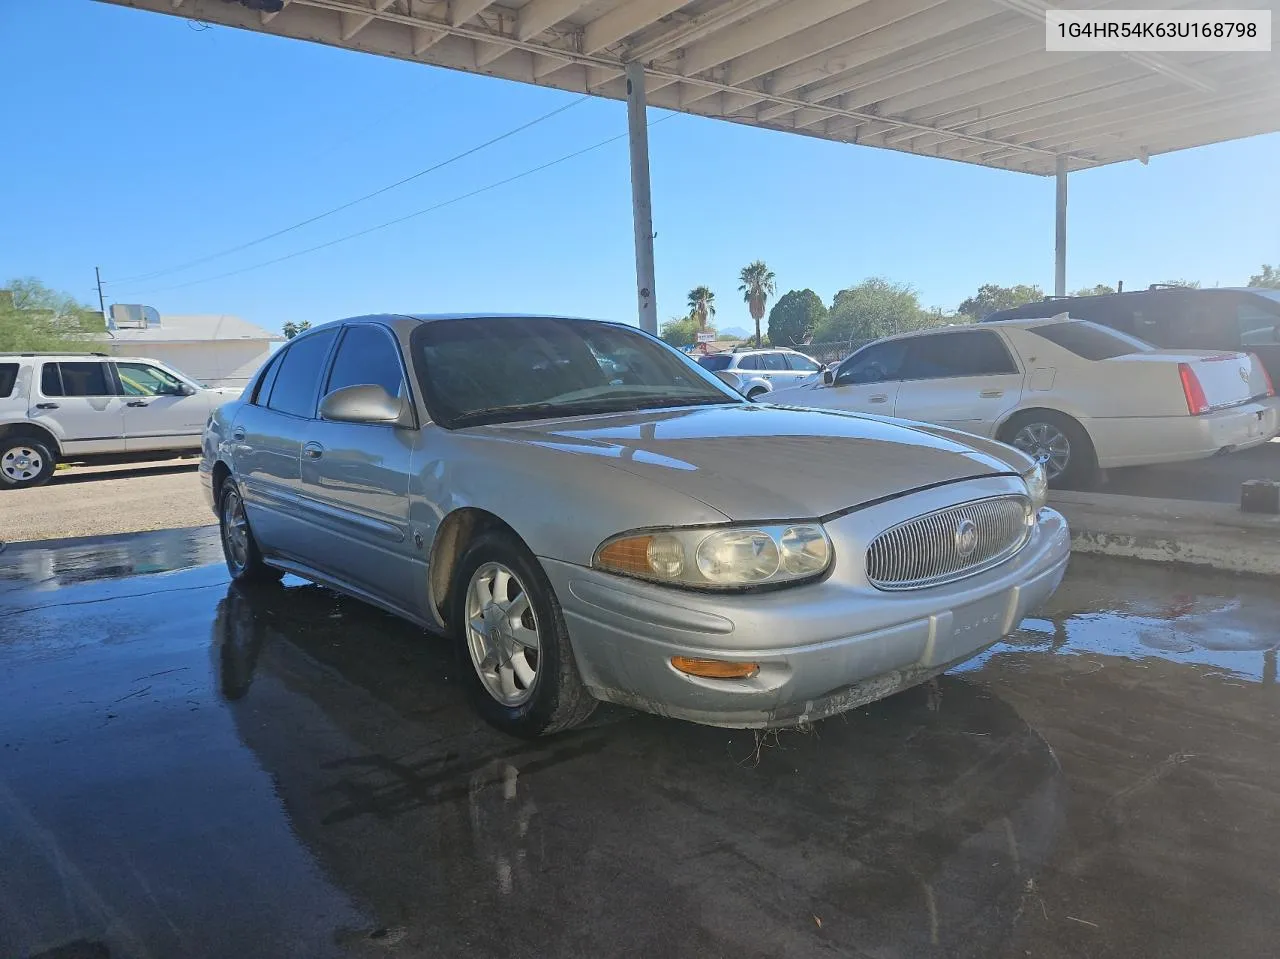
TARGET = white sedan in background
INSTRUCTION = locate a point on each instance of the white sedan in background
(1075, 395)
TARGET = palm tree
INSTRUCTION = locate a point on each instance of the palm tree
(757, 287)
(702, 305)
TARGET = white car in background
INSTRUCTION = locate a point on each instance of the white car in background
(1075, 395)
(756, 372)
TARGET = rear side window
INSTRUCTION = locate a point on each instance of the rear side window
(296, 385)
(1090, 341)
(75, 379)
(1259, 324)
(966, 353)
(750, 362)
(263, 391)
(714, 363)
(8, 376)
(367, 356)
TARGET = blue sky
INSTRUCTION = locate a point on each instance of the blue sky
(137, 142)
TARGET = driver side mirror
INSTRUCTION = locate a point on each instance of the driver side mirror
(828, 376)
(366, 403)
(185, 389)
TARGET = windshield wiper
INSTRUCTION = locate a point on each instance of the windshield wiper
(516, 408)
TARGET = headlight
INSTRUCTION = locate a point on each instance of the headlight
(728, 557)
(1037, 487)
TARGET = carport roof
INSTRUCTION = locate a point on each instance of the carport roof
(967, 80)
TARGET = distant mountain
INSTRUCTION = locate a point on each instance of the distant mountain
(734, 332)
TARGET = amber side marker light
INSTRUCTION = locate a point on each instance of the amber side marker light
(714, 668)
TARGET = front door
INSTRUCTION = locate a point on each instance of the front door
(78, 402)
(966, 380)
(355, 478)
(867, 381)
(161, 412)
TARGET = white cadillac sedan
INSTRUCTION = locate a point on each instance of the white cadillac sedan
(1073, 395)
(590, 515)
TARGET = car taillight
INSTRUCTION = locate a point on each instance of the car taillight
(1197, 403)
(1266, 377)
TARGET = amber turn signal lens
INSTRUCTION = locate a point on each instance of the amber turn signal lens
(714, 668)
(627, 556)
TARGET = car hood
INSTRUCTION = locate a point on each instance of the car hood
(753, 462)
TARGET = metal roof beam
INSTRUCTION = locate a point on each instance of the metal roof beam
(624, 20)
(536, 15)
(460, 11)
(695, 28)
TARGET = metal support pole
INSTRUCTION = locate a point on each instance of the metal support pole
(1060, 232)
(102, 306)
(641, 206)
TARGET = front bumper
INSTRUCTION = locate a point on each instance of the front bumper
(823, 648)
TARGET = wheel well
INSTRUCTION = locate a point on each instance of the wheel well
(30, 429)
(220, 473)
(1002, 432)
(456, 532)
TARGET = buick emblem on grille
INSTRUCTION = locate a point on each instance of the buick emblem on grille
(966, 537)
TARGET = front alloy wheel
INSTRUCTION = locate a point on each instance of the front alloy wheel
(502, 634)
(1047, 445)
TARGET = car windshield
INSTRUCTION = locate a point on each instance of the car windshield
(1090, 341)
(502, 369)
(714, 363)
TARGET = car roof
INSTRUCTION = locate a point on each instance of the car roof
(1023, 323)
(78, 356)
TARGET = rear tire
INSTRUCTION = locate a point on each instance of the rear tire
(1057, 441)
(25, 462)
(511, 640)
(239, 548)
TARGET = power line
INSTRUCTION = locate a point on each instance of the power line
(401, 219)
(351, 203)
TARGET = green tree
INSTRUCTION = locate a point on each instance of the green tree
(794, 318)
(37, 319)
(681, 331)
(1269, 277)
(874, 308)
(292, 329)
(1100, 289)
(991, 297)
(702, 305)
(757, 285)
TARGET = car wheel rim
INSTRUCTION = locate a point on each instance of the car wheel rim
(1047, 445)
(21, 464)
(503, 637)
(235, 531)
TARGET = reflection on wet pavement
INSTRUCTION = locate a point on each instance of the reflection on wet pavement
(192, 769)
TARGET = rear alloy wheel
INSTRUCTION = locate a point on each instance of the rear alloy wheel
(25, 462)
(239, 548)
(1058, 443)
(510, 634)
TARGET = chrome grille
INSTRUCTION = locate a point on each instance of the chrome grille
(925, 551)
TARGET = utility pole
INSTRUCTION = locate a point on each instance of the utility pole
(102, 306)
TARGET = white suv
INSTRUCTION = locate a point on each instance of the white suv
(88, 407)
(756, 372)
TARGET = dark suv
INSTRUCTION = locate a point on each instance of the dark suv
(1179, 318)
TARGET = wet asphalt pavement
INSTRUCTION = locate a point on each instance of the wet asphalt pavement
(189, 770)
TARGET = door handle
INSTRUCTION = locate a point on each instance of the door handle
(880, 398)
(46, 406)
(313, 450)
(991, 394)
(237, 433)
(136, 403)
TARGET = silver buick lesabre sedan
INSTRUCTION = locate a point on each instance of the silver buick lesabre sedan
(589, 515)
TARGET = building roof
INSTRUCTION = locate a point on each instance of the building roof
(195, 328)
(966, 80)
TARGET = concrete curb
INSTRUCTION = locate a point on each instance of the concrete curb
(1214, 535)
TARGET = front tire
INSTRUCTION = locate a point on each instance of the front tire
(25, 462)
(1057, 441)
(239, 548)
(512, 642)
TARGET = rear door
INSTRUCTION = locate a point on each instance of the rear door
(966, 379)
(161, 412)
(867, 381)
(775, 370)
(268, 434)
(79, 402)
(355, 476)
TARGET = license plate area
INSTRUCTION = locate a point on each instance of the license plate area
(969, 628)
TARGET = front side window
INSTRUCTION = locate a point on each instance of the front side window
(8, 376)
(143, 379)
(1090, 341)
(873, 364)
(801, 363)
(367, 357)
(298, 382)
(964, 353)
(75, 379)
(503, 369)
